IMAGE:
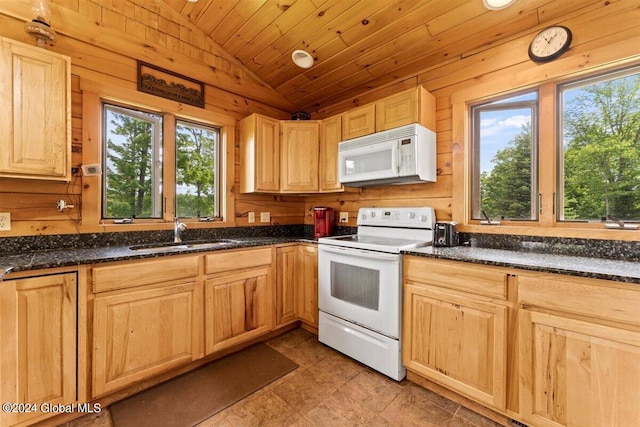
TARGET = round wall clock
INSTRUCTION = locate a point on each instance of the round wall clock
(550, 43)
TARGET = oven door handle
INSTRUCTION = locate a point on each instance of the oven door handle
(381, 256)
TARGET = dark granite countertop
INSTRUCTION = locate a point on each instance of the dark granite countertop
(582, 266)
(40, 259)
(601, 259)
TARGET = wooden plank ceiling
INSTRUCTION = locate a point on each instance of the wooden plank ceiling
(359, 44)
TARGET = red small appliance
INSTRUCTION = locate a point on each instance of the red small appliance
(322, 221)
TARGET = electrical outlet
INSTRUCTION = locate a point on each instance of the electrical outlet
(5, 221)
(344, 216)
(251, 217)
(265, 216)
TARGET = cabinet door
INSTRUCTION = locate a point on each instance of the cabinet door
(237, 308)
(359, 121)
(457, 341)
(36, 120)
(259, 154)
(330, 137)
(300, 149)
(308, 284)
(577, 373)
(267, 162)
(286, 277)
(142, 333)
(38, 333)
(397, 110)
(415, 105)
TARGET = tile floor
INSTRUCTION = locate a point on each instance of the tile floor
(330, 389)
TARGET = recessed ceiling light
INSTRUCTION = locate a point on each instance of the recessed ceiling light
(497, 4)
(302, 59)
(192, 1)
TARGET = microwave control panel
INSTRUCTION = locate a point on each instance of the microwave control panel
(407, 152)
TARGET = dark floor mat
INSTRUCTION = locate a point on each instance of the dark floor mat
(197, 395)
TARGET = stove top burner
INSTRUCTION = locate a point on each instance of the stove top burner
(388, 230)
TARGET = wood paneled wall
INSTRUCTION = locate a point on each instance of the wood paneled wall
(604, 34)
(104, 40)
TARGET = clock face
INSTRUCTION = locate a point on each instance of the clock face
(550, 43)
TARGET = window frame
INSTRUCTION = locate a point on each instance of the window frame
(502, 84)
(93, 95)
(560, 87)
(157, 162)
(493, 104)
(217, 214)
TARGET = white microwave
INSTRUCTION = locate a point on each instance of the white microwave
(403, 155)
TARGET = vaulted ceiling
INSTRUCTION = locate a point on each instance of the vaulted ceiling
(359, 44)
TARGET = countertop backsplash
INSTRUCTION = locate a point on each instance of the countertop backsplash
(16, 245)
(620, 250)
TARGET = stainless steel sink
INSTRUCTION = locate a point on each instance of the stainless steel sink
(169, 247)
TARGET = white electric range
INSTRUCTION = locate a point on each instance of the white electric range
(360, 285)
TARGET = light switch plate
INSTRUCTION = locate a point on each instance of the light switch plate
(265, 216)
(344, 216)
(251, 217)
(5, 221)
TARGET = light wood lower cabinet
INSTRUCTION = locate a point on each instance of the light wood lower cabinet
(578, 373)
(146, 319)
(307, 296)
(141, 333)
(238, 303)
(579, 352)
(297, 284)
(453, 337)
(286, 284)
(38, 329)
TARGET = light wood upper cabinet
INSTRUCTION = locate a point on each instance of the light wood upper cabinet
(330, 137)
(38, 332)
(411, 106)
(454, 338)
(359, 121)
(259, 154)
(300, 150)
(145, 320)
(238, 304)
(35, 120)
(414, 105)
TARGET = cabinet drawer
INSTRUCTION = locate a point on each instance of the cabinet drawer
(479, 280)
(126, 275)
(600, 299)
(237, 260)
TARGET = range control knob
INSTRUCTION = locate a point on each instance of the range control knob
(423, 218)
(373, 214)
(363, 216)
(412, 215)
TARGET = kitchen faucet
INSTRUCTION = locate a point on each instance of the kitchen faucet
(178, 228)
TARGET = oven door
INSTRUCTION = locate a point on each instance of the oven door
(361, 286)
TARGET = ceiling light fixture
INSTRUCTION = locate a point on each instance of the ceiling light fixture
(302, 59)
(39, 27)
(497, 4)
